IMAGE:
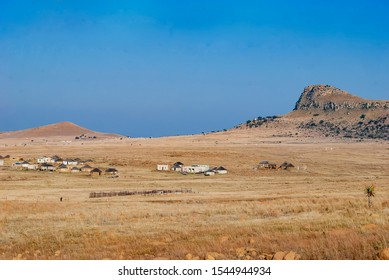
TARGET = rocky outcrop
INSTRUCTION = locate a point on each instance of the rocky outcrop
(329, 98)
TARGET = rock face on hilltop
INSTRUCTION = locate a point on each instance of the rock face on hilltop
(330, 112)
(329, 98)
(334, 112)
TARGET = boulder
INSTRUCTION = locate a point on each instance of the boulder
(384, 254)
(279, 255)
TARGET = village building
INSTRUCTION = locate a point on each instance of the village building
(47, 167)
(286, 165)
(195, 168)
(70, 161)
(1, 162)
(221, 170)
(44, 159)
(75, 169)
(86, 168)
(111, 171)
(162, 167)
(95, 172)
(267, 165)
(17, 165)
(177, 166)
(32, 166)
(25, 164)
(63, 168)
(209, 173)
(55, 159)
(6, 160)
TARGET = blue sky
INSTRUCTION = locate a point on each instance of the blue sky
(155, 68)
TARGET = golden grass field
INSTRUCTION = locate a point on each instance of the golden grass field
(320, 212)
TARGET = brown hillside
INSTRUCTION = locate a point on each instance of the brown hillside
(62, 129)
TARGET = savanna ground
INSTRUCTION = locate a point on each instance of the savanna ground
(319, 211)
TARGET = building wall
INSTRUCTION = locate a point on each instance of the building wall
(162, 167)
(198, 168)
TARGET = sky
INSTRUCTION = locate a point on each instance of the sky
(157, 68)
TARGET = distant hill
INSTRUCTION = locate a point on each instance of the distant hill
(332, 112)
(62, 129)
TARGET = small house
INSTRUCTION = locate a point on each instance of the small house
(44, 159)
(86, 168)
(221, 170)
(32, 166)
(70, 161)
(7, 160)
(177, 166)
(286, 165)
(63, 168)
(95, 172)
(47, 167)
(17, 165)
(75, 169)
(25, 164)
(267, 165)
(55, 159)
(162, 167)
(111, 171)
(1, 162)
(209, 173)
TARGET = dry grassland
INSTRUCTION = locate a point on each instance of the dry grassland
(320, 212)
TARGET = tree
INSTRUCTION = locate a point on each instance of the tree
(369, 191)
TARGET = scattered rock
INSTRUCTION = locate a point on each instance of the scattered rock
(267, 256)
(279, 255)
(384, 254)
(292, 256)
(240, 252)
(215, 256)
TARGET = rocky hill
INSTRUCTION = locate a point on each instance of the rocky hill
(331, 112)
(329, 99)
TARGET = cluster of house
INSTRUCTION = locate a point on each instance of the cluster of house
(192, 169)
(56, 163)
(271, 165)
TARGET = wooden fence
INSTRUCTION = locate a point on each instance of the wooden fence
(124, 193)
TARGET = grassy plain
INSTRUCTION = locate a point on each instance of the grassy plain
(319, 211)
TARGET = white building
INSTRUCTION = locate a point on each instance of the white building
(209, 173)
(32, 166)
(162, 167)
(44, 159)
(195, 168)
(70, 161)
(1, 162)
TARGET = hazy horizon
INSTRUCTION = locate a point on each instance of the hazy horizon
(148, 68)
